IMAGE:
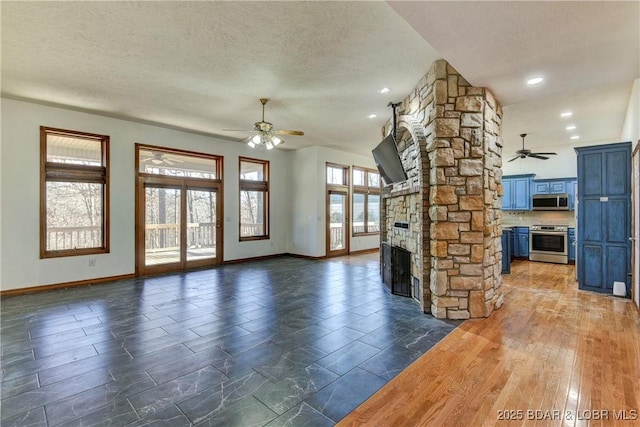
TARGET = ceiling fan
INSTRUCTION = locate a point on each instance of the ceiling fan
(524, 153)
(265, 134)
(157, 158)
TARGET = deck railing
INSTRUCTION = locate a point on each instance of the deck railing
(61, 238)
(161, 237)
(158, 237)
(358, 227)
(248, 230)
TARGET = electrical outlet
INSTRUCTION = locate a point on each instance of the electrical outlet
(92, 262)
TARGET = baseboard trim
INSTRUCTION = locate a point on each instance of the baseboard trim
(257, 258)
(102, 280)
(44, 288)
(313, 258)
(365, 251)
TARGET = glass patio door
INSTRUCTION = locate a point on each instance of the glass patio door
(181, 228)
(178, 210)
(162, 228)
(201, 224)
(337, 223)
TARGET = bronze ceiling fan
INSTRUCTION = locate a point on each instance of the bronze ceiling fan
(524, 153)
(264, 133)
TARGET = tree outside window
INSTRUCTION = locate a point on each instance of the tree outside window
(366, 201)
(254, 199)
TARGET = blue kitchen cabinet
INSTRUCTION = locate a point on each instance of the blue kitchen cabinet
(520, 242)
(604, 216)
(572, 244)
(540, 187)
(506, 250)
(523, 241)
(517, 192)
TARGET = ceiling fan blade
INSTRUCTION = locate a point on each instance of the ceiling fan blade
(290, 132)
(236, 130)
(546, 154)
(537, 156)
(516, 157)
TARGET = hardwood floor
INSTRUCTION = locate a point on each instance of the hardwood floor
(551, 356)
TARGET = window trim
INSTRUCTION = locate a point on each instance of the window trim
(365, 190)
(60, 172)
(263, 186)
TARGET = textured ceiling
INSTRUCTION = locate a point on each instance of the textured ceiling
(587, 51)
(202, 66)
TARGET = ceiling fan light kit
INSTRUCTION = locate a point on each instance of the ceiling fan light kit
(524, 153)
(265, 140)
(265, 136)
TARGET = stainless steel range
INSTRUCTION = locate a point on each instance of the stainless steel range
(548, 243)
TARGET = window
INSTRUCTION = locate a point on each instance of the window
(337, 175)
(366, 201)
(74, 193)
(177, 163)
(254, 199)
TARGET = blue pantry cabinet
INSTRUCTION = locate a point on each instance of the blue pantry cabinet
(517, 192)
(604, 216)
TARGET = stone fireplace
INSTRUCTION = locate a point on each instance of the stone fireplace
(448, 135)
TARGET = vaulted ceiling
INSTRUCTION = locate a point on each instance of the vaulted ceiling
(202, 66)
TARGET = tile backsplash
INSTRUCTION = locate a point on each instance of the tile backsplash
(526, 218)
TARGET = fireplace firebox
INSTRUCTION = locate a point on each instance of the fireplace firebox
(396, 270)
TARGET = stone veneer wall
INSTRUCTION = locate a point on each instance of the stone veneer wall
(450, 144)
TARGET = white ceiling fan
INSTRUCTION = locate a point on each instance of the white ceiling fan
(524, 153)
(157, 158)
(265, 136)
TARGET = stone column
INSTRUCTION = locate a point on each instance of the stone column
(459, 180)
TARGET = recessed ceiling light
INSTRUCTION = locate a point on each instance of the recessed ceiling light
(535, 81)
(371, 116)
(575, 137)
(570, 127)
(384, 90)
(566, 114)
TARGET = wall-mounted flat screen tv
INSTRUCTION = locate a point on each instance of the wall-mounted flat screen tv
(388, 161)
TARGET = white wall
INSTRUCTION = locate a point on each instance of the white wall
(564, 165)
(309, 200)
(21, 266)
(297, 195)
(631, 126)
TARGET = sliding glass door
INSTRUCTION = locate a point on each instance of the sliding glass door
(178, 211)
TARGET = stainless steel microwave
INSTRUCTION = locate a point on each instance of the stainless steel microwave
(550, 202)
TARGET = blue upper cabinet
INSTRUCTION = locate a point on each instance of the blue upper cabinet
(517, 192)
(556, 186)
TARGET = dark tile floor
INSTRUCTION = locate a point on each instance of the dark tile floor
(278, 342)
